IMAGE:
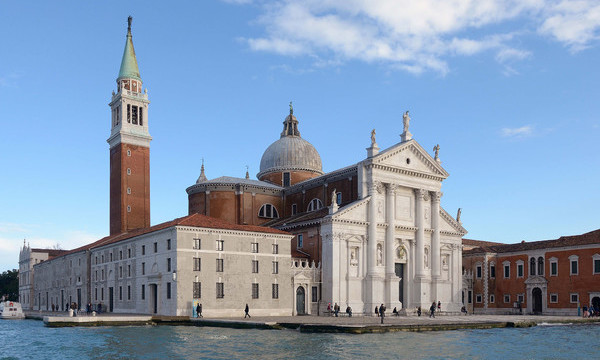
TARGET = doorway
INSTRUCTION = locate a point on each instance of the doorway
(110, 299)
(536, 294)
(596, 302)
(300, 301)
(399, 270)
(78, 299)
(154, 298)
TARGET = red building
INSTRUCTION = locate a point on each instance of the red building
(552, 277)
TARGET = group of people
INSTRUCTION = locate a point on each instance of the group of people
(336, 310)
(592, 311)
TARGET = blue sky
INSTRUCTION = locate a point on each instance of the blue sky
(509, 89)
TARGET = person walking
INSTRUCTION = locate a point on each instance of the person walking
(247, 310)
(432, 310)
(439, 307)
(377, 310)
(336, 309)
(199, 310)
(382, 312)
(419, 311)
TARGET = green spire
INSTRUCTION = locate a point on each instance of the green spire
(129, 67)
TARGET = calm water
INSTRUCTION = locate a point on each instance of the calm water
(20, 339)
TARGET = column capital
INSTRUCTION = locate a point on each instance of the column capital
(391, 188)
(376, 186)
(436, 195)
(421, 194)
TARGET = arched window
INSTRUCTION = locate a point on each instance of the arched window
(268, 211)
(540, 266)
(315, 204)
(532, 266)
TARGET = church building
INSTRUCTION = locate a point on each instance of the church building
(291, 242)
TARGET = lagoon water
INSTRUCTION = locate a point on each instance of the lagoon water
(29, 339)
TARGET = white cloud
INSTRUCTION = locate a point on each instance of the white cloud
(418, 36)
(522, 131)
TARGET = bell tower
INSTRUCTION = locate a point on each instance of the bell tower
(129, 144)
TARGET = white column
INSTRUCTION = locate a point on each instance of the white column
(391, 229)
(348, 256)
(420, 234)
(435, 240)
(372, 232)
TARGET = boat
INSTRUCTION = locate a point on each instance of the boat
(11, 310)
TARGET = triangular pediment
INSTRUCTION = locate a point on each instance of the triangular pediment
(356, 211)
(410, 157)
(449, 224)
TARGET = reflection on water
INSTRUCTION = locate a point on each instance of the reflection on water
(30, 339)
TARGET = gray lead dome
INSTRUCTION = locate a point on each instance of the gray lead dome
(290, 152)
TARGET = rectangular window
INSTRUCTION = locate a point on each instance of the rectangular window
(102, 274)
(492, 271)
(470, 296)
(219, 265)
(129, 270)
(520, 270)
(197, 290)
(196, 264)
(168, 290)
(314, 293)
(574, 298)
(128, 292)
(521, 298)
(275, 249)
(120, 271)
(168, 244)
(120, 293)
(155, 247)
(134, 114)
(506, 298)
(255, 291)
(141, 114)
(102, 294)
(300, 241)
(275, 267)
(168, 264)
(255, 247)
(143, 249)
(143, 268)
(220, 290)
(129, 253)
(294, 209)
(96, 294)
(478, 271)
(507, 271)
(275, 291)
(129, 113)
(338, 198)
(110, 257)
(197, 244)
(286, 179)
(596, 266)
(492, 298)
(220, 245)
(478, 298)
(255, 266)
(143, 292)
(120, 254)
(554, 268)
(574, 267)
(554, 298)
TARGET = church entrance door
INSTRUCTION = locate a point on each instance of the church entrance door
(110, 299)
(399, 269)
(153, 298)
(300, 310)
(536, 294)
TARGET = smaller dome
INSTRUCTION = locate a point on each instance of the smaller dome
(291, 152)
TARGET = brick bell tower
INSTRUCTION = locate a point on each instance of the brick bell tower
(129, 144)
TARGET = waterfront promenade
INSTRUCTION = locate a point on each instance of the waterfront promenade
(356, 324)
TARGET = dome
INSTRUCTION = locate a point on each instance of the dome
(291, 152)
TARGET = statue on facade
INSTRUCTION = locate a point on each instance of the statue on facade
(333, 198)
(406, 121)
(373, 142)
(458, 214)
(379, 255)
(291, 109)
(437, 151)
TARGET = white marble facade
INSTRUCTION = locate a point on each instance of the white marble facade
(395, 245)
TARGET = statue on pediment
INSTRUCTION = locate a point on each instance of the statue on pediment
(437, 151)
(406, 121)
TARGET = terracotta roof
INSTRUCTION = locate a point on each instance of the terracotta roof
(298, 218)
(470, 244)
(51, 252)
(592, 237)
(194, 220)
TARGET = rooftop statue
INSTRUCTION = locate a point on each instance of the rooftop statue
(291, 109)
(406, 121)
(437, 151)
(373, 142)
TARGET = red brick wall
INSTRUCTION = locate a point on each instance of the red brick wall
(296, 176)
(139, 183)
